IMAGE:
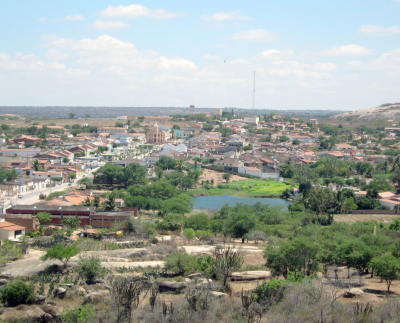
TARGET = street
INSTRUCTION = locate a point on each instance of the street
(33, 196)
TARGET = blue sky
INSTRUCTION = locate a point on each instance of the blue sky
(324, 54)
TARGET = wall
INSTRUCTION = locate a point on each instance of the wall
(104, 221)
(6, 235)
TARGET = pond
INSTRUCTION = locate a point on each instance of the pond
(216, 202)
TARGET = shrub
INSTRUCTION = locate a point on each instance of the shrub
(16, 293)
(90, 268)
(269, 293)
(189, 234)
(79, 314)
(180, 263)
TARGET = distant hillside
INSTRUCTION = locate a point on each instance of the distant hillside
(110, 112)
(388, 111)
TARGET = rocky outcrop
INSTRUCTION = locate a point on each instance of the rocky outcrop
(251, 275)
(96, 297)
(60, 292)
(353, 292)
(167, 286)
(219, 295)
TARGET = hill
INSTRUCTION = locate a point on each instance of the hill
(385, 111)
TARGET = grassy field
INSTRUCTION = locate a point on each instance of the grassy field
(245, 188)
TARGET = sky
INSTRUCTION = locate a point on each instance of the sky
(309, 54)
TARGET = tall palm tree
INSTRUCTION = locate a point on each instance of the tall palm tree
(179, 165)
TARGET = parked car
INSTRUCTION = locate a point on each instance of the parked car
(20, 196)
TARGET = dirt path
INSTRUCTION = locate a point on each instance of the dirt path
(28, 265)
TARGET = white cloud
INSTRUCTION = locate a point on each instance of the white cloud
(55, 54)
(42, 19)
(108, 71)
(230, 15)
(325, 66)
(74, 17)
(347, 50)
(136, 10)
(379, 30)
(107, 25)
(255, 35)
(211, 57)
(274, 54)
(354, 64)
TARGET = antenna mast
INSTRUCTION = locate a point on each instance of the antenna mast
(254, 89)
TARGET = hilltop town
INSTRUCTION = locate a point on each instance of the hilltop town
(89, 202)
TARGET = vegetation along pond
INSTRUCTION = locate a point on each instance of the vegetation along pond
(216, 202)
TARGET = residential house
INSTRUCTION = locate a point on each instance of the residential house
(10, 231)
(230, 164)
(27, 221)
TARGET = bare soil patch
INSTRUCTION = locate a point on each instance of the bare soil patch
(209, 174)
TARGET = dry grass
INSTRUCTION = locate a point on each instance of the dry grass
(385, 218)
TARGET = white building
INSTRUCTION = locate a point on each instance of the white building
(304, 139)
(251, 120)
(179, 148)
(217, 112)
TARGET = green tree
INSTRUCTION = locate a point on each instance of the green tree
(179, 165)
(198, 221)
(109, 204)
(226, 177)
(134, 173)
(88, 182)
(71, 115)
(166, 163)
(65, 160)
(37, 167)
(61, 253)
(355, 254)
(287, 169)
(387, 267)
(109, 173)
(299, 256)
(72, 222)
(296, 142)
(208, 127)
(43, 217)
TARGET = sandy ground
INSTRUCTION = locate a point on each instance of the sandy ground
(217, 177)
